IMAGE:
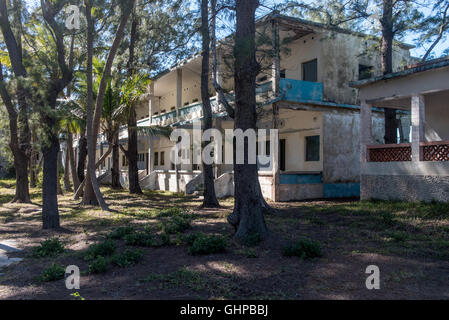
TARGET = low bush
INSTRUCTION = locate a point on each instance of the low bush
(121, 232)
(140, 239)
(103, 249)
(304, 249)
(202, 244)
(99, 265)
(52, 273)
(48, 248)
(175, 224)
(127, 258)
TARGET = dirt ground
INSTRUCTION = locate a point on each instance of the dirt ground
(408, 242)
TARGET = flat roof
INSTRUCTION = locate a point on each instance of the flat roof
(298, 21)
(408, 70)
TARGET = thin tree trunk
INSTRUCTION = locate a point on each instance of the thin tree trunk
(133, 170)
(82, 156)
(50, 212)
(58, 179)
(93, 125)
(33, 160)
(115, 169)
(387, 66)
(71, 155)
(79, 191)
(67, 186)
(247, 216)
(210, 198)
(20, 134)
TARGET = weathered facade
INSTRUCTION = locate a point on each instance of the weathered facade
(419, 169)
(305, 92)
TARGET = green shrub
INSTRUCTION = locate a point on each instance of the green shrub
(140, 239)
(121, 232)
(305, 249)
(52, 273)
(201, 244)
(103, 249)
(127, 258)
(176, 224)
(48, 248)
(99, 265)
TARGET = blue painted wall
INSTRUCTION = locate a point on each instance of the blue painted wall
(301, 178)
(299, 90)
(341, 190)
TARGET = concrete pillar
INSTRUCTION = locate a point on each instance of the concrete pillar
(418, 120)
(365, 129)
(276, 62)
(151, 105)
(178, 91)
(274, 152)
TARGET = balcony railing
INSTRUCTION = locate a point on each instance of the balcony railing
(390, 152)
(430, 151)
(435, 151)
(301, 91)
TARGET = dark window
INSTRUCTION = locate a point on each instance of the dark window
(263, 78)
(194, 100)
(162, 158)
(313, 148)
(172, 108)
(283, 73)
(282, 145)
(365, 72)
(310, 71)
(156, 158)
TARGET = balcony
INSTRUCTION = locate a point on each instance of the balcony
(290, 89)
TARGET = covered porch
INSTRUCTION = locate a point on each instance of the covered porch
(417, 170)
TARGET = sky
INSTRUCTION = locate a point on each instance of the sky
(409, 38)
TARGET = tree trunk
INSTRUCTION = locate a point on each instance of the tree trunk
(67, 186)
(93, 125)
(33, 160)
(133, 170)
(115, 169)
(387, 66)
(58, 180)
(20, 134)
(247, 216)
(71, 155)
(50, 212)
(82, 156)
(210, 198)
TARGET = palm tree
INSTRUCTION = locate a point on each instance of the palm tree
(132, 90)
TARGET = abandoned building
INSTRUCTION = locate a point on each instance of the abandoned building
(305, 83)
(417, 170)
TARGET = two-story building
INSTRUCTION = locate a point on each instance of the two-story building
(304, 85)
